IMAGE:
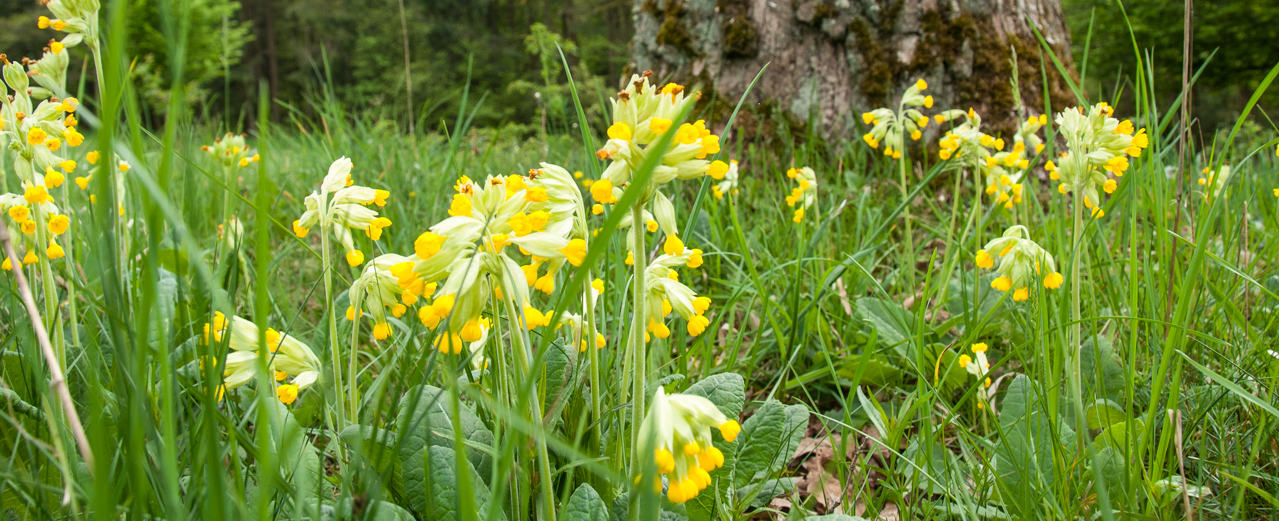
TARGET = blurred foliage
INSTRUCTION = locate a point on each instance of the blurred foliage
(1244, 34)
(355, 50)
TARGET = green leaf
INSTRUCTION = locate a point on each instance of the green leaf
(761, 444)
(663, 382)
(559, 369)
(878, 371)
(1102, 375)
(835, 517)
(1104, 413)
(585, 505)
(387, 511)
(1024, 455)
(1109, 465)
(726, 390)
(890, 320)
(299, 461)
(759, 494)
(1116, 435)
(429, 423)
(377, 448)
(430, 484)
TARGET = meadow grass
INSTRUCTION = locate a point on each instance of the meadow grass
(857, 326)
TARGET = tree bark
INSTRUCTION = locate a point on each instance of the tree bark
(833, 59)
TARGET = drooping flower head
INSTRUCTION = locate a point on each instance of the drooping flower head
(288, 354)
(890, 127)
(342, 206)
(1022, 263)
(805, 192)
(978, 366)
(679, 426)
(231, 151)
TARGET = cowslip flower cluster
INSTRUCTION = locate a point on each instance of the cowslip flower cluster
(77, 18)
(679, 425)
(806, 192)
(665, 294)
(289, 356)
(1021, 263)
(964, 141)
(469, 257)
(230, 151)
(978, 366)
(642, 114)
(1097, 144)
(890, 127)
(342, 206)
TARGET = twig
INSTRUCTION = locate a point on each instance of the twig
(57, 383)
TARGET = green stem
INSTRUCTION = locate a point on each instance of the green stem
(518, 332)
(69, 238)
(1073, 377)
(638, 348)
(910, 239)
(353, 366)
(334, 356)
(50, 290)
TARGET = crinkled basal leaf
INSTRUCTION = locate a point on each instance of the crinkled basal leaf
(728, 392)
(759, 494)
(890, 320)
(663, 382)
(388, 511)
(560, 370)
(877, 370)
(1116, 435)
(1102, 375)
(430, 484)
(1108, 467)
(768, 440)
(377, 448)
(1105, 413)
(1024, 456)
(429, 422)
(585, 505)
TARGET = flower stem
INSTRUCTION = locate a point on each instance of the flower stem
(334, 356)
(352, 392)
(638, 348)
(910, 239)
(519, 337)
(1075, 346)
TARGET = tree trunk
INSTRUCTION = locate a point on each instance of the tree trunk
(833, 59)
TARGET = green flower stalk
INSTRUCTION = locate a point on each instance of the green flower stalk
(1097, 143)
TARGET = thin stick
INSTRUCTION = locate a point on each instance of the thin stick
(57, 383)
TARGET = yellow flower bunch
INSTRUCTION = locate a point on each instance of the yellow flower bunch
(664, 293)
(806, 192)
(288, 354)
(1021, 263)
(35, 132)
(1097, 143)
(680, 426)
(890, 127)
(23, 211)
(77, 18)
(469, 255)
(965, 140)
(642, 114)
(231, 151)
(343, 206)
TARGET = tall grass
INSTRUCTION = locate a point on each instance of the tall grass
(1178, 302)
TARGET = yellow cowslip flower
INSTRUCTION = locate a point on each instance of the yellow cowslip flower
(1021, 263)
(30, 257)
(35, 194)
(92, 157)
(36, 136)
(597, 209)
(602, 192)
(53, 179)
(59, 224)
(54, 252)
(19, 213)
(68, 166)
(287, 393)
(679, 426)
